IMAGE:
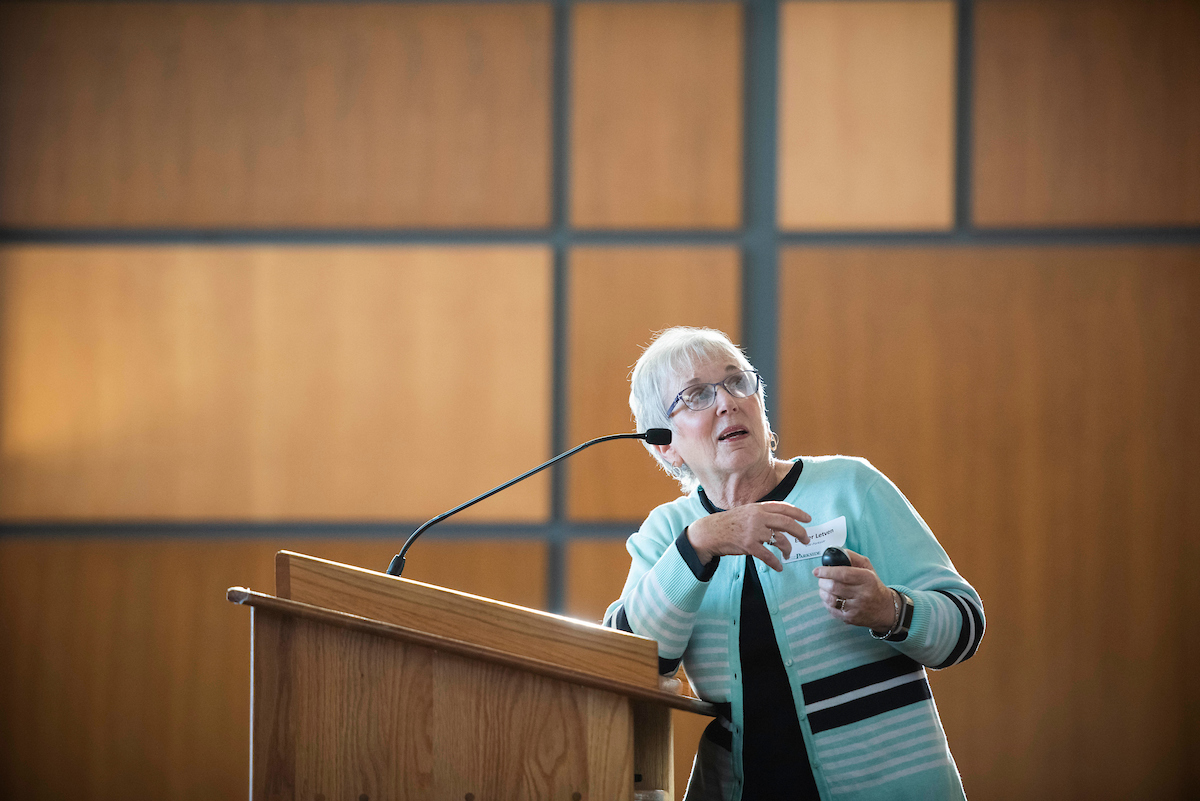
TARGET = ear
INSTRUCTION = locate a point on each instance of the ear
(667, 452)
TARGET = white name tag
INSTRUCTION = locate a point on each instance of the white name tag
(820, 537)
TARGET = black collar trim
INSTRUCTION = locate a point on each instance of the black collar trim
(781, 491)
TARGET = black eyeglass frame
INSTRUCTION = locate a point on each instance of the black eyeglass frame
(714, 385)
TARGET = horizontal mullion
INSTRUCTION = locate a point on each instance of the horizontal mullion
(295, 236)
(998, 237)
(551, 530)
(1089, 235)
(272, 236)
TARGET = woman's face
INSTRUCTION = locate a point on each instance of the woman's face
(728, 437)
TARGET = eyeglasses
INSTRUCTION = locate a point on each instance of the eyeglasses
(700, 396)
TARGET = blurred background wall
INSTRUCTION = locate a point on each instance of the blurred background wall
(303, 275)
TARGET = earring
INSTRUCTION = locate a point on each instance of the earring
(774, 442)
(676, 471)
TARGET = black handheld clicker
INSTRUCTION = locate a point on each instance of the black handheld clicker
(835, 557)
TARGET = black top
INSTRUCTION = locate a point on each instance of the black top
(775, 762)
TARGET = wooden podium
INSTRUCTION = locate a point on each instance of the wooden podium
(370, 687)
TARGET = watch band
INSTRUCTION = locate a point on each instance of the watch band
(899, 631)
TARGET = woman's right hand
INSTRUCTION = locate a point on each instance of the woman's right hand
(745, 529)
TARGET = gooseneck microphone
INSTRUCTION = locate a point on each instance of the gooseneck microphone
(654, 436)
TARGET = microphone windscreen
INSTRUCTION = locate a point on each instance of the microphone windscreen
(658, 436)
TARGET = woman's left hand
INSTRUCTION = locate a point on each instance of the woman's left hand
(864, 599)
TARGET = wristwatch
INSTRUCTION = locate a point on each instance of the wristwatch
(904, 616)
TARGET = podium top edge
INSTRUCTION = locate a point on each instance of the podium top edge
(333, 617)
(573, 621)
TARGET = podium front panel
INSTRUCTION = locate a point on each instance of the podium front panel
(339, 713)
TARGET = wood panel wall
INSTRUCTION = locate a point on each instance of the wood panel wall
(656, 133)
(272, 382)
(275, 114)
(1087, 113)
(866, 115)
(618, 298)
(124, 672)
(1039, 408)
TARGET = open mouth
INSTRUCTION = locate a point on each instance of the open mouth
(732, 433)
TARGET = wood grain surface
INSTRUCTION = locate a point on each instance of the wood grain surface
(344, 714)
(653, 748)
(1086, 113)
(504, 627)
(866, 115)
(656, 115)
(123, 672)
(275, 114)
(1038, 406)
(253, 383)
(619, 297)
(665, 693)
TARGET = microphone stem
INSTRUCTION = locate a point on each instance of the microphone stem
(397, 565)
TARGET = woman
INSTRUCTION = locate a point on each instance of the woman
(818, 672)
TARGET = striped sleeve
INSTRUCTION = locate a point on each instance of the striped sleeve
(970, 631)
(948, 619)
(947, 626)
(661, 597)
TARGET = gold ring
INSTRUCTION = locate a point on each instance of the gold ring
(841, 604)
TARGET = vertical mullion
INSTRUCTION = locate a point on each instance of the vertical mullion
(760, 243)
(560, 237)
(963, 109)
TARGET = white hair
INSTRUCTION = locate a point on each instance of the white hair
(673, 356)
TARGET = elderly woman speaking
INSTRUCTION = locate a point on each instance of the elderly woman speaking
(818, 672)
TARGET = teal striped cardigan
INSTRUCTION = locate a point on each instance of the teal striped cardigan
(865, 707)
